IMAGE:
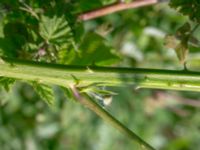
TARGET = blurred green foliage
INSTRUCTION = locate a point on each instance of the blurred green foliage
(190, 8)
(48, 31)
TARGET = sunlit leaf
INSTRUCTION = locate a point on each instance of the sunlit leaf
(15, 36)
(55, 29)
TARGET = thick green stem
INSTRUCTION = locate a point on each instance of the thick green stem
(66, 75)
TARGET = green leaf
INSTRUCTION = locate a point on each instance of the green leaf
(7, 48)
(93, 50)
(45, 92)
(86, 5)
(6, 83)
(190, 8)
(13, 38)
(17, 33)
(55, 30)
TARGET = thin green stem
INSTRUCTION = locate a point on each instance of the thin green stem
(63, 75)
(87, 101)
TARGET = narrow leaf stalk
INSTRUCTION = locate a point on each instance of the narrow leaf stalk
(87, 101)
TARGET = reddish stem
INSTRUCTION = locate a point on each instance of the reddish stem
(115, 8)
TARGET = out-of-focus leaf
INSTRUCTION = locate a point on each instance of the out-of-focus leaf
(86, 5)
(171, 41)
(68, 93)
(127, 1)
(185, 29)
(180, 47)
(7, 48)
(181, 40)
(194, 63)
(190, 8)
(45, 92)
(1, 29)
(6, 83)
(17, 33)
(15, 36)
(93, 50)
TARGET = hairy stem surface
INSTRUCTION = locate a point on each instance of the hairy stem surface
(65, 75)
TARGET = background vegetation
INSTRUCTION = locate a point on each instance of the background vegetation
(48, 31)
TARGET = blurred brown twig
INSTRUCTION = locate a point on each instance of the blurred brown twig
(119, 6)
